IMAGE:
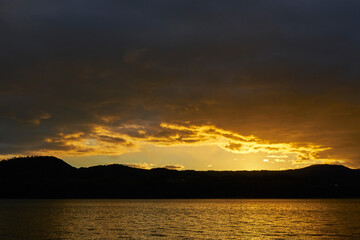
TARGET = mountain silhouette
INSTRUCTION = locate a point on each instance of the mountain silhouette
(35, 166)
(50, 177)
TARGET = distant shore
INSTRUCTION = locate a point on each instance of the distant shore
(50, 177)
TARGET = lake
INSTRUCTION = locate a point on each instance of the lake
(180, 219)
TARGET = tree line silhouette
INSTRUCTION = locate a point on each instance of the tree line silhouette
(50, 177)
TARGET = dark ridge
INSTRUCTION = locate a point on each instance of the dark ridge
(50, 177)
(325, 167)
(35, 165)
(109, 170)
(324, 170)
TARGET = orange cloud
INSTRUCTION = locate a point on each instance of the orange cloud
(237, 143)
(101, 140)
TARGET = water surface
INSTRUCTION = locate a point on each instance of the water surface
(179, 219)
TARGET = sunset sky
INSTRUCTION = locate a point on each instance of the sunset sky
(205, 85)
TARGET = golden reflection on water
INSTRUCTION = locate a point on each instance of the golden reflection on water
(179, 219)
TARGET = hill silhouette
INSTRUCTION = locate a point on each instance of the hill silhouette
(50, 177)
(35, 166)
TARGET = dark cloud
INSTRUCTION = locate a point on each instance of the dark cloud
(285, 71)
(174, 167)
(139, 165)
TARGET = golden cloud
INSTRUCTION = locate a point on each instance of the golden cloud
(115, 141)
(237, 143)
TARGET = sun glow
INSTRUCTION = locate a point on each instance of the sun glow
(115, 141)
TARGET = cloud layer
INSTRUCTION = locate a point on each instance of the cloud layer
(103, 77)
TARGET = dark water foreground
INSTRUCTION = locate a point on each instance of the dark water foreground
(180, 219)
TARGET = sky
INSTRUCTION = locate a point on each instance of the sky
(204, 85)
